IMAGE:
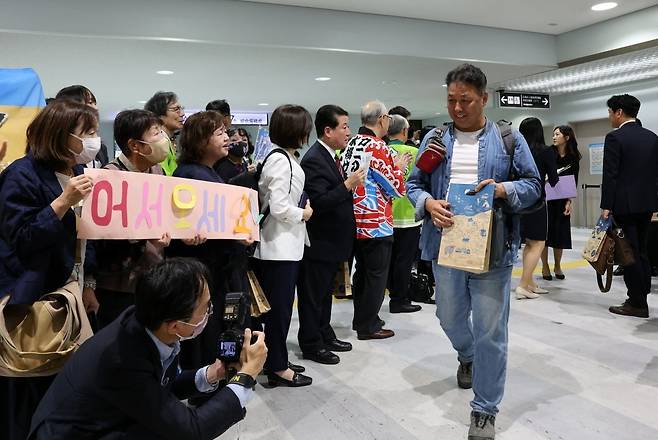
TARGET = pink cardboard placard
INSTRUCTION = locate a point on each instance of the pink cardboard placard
(127, 205)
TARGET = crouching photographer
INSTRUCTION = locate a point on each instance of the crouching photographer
(125, 381)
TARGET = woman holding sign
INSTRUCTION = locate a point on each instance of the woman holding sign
(559, 211)
(143, 146)
(282, 238)
(204, 141)
(39, 250)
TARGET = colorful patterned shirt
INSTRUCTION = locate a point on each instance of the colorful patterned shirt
(373, 207)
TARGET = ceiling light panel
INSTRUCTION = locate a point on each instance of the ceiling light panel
(634, 66)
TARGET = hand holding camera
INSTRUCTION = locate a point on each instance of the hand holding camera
(253, 355)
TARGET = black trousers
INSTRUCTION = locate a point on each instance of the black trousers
(652, 247)
(314, 300)
(373, 257)
(278, 279)
(405, 249)
(19, 398)
(638, 275)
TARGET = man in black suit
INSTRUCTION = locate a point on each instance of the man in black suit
(331, 232)
(125, 383)
(628, 192)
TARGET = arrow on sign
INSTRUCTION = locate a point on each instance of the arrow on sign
(503, 99)
(545, 101)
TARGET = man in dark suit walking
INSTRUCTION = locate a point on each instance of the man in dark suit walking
(125, 382)
(628, 192)
(331, 231)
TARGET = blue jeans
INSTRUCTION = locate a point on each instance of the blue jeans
(480, 338)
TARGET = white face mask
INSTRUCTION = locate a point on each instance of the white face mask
(159, 149)
(198, 328)
(90, 148)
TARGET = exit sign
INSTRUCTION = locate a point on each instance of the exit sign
(524, 100)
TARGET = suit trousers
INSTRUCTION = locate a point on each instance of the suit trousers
(637, 276)
(405, 250)
(278, 279)
(373, 257)
(314, 300)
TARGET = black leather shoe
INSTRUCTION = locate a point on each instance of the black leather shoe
(321, 356)
(559, 276)
(296, 368)
(380, 334)
(403, 308)
(293, 367)
(619, 271)
(298, 380)
(627, 309)
(338, 345)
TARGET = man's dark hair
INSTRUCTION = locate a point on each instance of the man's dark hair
(290, 126)
(399, 110)
(468, 74)
(219, 105)
(629, 104)
(159, 103)
(77, 93)
(131, 124)
(169, 291)
(327, 116)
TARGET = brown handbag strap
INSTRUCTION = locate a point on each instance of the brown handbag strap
(608, 280)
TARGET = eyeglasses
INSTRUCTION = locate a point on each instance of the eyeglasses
(208, 313)
(177, 109)
(386, 116)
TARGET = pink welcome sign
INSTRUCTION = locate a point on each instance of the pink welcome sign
(126, 205)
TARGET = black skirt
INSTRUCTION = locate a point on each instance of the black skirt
(533, 226)
(559, 225)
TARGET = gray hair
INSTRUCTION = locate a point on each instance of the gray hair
(398, 123)
(371, 112)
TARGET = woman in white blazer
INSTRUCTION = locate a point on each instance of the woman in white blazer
(282, 238)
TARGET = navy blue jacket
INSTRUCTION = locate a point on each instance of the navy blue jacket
(37, 249)
(114, 388)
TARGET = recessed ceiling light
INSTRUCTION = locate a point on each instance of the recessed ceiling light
(263, 104)
(165, 72)
(444, 85)
(604, 6)
(437, 113)
(323, 78)
(141, 102)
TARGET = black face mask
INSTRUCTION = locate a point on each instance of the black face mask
(238, 149)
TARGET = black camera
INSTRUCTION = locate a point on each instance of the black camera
(234, 318)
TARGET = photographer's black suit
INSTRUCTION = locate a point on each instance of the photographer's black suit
(331, 231)
(114, 388)
(630, 175)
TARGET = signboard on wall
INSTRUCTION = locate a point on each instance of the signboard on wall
(242, 118)
(524, 100)
(596, 158)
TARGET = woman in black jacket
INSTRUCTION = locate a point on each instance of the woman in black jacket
(534, 225)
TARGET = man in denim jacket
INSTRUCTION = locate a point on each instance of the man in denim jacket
(475, 153)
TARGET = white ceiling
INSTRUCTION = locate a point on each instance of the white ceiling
(523, 15)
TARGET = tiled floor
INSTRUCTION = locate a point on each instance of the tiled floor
(575, 372)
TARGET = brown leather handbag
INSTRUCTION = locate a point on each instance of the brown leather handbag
(604, 249)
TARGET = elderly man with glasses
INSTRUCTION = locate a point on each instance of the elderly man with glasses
(373, 215)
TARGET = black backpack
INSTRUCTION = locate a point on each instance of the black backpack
(249, 179)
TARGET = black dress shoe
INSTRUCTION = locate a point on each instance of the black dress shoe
(627, 309)
(403, 308)
(298, 380)
(548, 277)
(321, 356)
(296, 368)
(338, 345)
(380, 334)
(619, 271)
(559, 276)
(293, 367)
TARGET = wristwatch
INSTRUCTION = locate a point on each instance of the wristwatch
(244, 380)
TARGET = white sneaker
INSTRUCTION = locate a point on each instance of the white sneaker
(537, 289)
(522, 293)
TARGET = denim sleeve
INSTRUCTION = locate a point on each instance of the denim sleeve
(525, 191)
(418, 185)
